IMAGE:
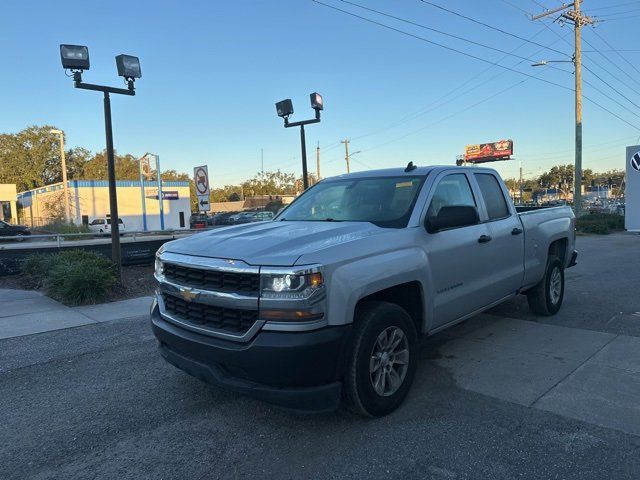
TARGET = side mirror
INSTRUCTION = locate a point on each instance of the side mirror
(452, 217)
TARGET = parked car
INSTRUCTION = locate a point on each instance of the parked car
(9, 230)
(225, 218)
(329, 300)
(103, 225)
(198, 220)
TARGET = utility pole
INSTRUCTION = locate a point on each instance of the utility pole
(346, 153)
(318, 161)
(578, 19)
(65, 188)
(521, 189)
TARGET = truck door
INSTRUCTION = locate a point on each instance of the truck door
(506, 247)
(457, 259)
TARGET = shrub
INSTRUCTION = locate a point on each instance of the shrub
(75, 277)
(63, 227)
(34, 270)
(600, 223)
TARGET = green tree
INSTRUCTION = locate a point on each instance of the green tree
(30, 158)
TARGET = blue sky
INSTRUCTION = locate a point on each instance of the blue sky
(212, 71)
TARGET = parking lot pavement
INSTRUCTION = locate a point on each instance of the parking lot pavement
(494, 397)
(601, 292)
(98, 402)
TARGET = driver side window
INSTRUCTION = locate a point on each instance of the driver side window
(453, 190)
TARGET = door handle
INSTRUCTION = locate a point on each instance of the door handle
(516, 231)
(484, 239)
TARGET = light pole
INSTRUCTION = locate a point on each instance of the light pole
(65, 187)
(284, 109)
(145, 159)
(76, 59)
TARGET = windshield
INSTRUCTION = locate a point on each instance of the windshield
(383, 201)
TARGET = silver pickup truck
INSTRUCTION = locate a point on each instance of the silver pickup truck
(327, 302)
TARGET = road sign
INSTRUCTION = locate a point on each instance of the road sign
(632, 190)
(201, 179)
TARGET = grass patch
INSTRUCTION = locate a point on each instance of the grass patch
(600, 223)
(74, 277)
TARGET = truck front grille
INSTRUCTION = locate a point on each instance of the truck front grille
(214, 280)
(229, 320)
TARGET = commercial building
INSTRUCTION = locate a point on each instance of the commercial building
(8, 196)
(138, 205)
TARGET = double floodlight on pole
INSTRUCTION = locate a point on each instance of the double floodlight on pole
(284, 109)
(76, 59)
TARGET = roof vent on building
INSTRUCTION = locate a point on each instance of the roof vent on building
(410, 167)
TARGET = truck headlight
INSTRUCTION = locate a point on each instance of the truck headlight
(159, 267)
(290, 285)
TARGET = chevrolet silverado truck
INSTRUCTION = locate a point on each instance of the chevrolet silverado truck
(326, 303)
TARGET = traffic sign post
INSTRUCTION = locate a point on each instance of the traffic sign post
(201, 179)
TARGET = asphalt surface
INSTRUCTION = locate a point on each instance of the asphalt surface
(98, 402)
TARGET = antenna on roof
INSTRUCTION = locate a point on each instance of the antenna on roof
(410, 167)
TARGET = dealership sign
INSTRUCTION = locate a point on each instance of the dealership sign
(632, 190)
(488, 152)
(166, 195)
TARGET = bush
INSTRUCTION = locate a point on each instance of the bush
(63, 227)
(75, 277)
(34, 270)
(600, 223)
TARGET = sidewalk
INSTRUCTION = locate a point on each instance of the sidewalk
(25, 312)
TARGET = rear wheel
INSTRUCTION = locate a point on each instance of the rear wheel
(382, 360)
(546, 297)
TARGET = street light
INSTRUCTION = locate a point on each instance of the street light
(65, 188)
(76, 59)
(284, 109)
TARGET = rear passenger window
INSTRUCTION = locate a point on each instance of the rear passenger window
(493, 196)
(453, 190)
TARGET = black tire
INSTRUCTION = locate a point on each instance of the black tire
(541, 298)
(20, 237)
(372, 319)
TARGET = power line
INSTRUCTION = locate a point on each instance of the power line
(549, 48)
(614, 6)
(469, 55)
(607, 20)
(446, 47)
(618, 53)
(618, 13)
(606, 58)
(492, 27)
(457, 37)
(439, 104)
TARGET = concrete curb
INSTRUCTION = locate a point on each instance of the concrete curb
(27, 312)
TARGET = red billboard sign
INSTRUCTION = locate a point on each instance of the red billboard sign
(488, 152)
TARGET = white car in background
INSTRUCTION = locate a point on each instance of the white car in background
(103, 225)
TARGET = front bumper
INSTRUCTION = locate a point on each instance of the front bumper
(296, 370)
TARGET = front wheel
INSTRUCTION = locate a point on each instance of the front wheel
(546, 297)
(382, 360)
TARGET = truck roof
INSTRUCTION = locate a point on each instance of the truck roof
(388, 172)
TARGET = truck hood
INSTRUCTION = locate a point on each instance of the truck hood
(279, 243)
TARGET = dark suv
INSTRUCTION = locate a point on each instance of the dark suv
(8, 230)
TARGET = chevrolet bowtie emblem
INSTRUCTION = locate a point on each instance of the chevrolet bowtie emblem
(187, 294)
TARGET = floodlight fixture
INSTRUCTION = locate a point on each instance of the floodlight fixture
(284, 108)
(316, 101)
(74, 57)
(128, 66)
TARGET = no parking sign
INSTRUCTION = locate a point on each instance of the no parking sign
(201, 179)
